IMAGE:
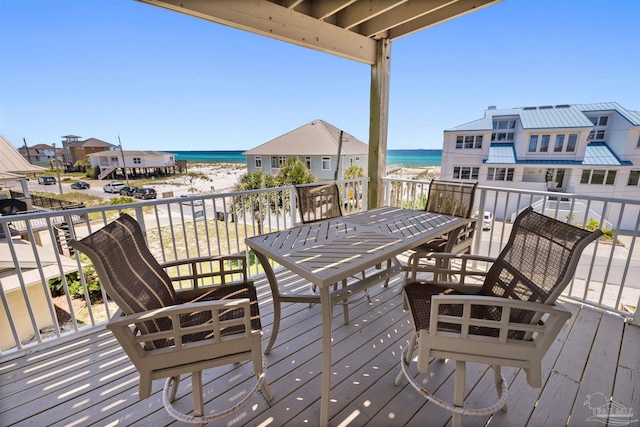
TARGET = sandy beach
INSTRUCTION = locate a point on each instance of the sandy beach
(208, 178)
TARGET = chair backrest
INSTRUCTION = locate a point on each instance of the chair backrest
(128, 271)
(451, 198)
(318, 202)
(538, 261)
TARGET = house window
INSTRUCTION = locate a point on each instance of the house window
(137, 161)
(326, 163)
(598, 176)
(258, 160)
(638, 146)
(502, 137)
(274, 162)
(634, 178)
(599, 120)
(544, 143)
(307, 161)
(596, 135)
(504, 124)
(281, 161)
(559, 143)
(533, 143)
(358, 158)
(572, 142)
(500, 174)
(468, 141)
(465, 172)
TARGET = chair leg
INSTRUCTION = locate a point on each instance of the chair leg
(256, 358)
(196, 390)
(497, 378)
(411, 348)
(345, 306)
(458, 391)
(175, 383)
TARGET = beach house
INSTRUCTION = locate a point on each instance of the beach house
(326, 151)
(136, 162)
(41, 154)
(586, 149)
(76, 149)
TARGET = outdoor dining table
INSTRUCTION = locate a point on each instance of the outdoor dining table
(330, 251)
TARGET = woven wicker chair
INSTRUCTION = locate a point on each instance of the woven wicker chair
(449, 198)
(318, 202)
(494, 315)
(168, 333)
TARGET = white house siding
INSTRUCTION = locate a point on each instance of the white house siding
(622, 134)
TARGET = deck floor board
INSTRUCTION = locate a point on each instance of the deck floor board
(89, 381)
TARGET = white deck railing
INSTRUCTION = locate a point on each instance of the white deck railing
(218, 224)
(605, 275)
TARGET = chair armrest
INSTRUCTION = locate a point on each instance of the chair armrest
(221, 271)
(121, 324)
(542, 335)
(468, 270)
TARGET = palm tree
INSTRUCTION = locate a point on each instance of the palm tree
(354, 171)
(258, 203)
(294, 172)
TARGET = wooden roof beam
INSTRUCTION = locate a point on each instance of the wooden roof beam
(271, 20)
(446, 13)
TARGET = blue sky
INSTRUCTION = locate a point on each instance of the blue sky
(164, 81)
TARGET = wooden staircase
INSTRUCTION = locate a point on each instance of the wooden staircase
(106, 172)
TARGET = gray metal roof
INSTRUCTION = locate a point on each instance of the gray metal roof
(596, 154)
(317, 138)
(549, 116)
(502, 153)
(632, 116)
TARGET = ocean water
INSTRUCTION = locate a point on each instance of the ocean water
(420, 158)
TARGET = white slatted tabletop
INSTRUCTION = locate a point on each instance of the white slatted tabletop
(330, 251)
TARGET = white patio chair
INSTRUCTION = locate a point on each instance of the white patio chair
(168, 333)
(502, 316)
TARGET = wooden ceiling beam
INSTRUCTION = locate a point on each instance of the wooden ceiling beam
(451, 11)
(272, 20)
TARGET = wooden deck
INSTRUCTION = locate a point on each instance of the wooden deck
(89, 381)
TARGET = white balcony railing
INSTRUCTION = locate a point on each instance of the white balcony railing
(218, 224)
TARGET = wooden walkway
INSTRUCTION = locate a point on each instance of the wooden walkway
(89, 381)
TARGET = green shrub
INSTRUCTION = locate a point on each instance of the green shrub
(121, 200)
(74, 283)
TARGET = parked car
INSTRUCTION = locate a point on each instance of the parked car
(189, 198)
(128, 190)
(487, 220)
(46, 180)
(145, 193)
(80, 185)
(113, 187)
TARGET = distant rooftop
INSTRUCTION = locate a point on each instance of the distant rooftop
(550, 116)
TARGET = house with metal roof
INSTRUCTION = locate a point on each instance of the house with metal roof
(326, 151)
(582, 148)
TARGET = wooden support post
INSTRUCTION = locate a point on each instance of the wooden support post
(378, 123)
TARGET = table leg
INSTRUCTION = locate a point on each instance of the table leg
(275, 294)
(327, 320)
